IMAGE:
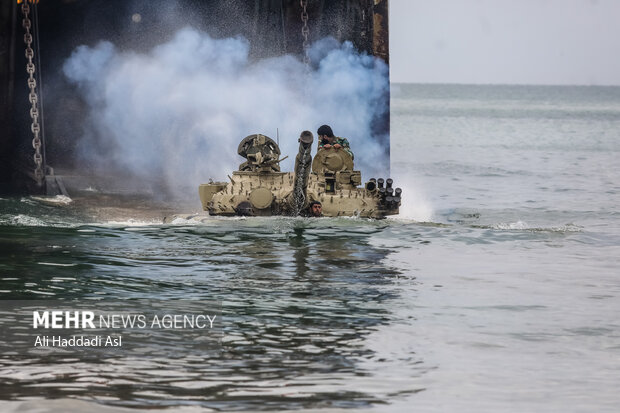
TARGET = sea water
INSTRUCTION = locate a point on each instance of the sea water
(497, 289)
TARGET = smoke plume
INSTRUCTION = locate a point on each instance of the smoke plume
(176, 114)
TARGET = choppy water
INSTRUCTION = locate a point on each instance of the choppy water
(507, 299)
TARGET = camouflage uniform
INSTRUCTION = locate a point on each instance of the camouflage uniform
(342, 142)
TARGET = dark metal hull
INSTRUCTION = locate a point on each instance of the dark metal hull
(272, 26)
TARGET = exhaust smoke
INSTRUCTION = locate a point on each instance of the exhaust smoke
(173, 116)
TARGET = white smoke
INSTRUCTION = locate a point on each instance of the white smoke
(177, 113)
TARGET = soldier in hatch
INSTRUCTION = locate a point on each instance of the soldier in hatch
(328, 140)
(315, 209)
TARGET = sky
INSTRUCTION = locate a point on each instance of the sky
(553, 42)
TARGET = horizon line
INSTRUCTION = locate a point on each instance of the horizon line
(503, 84)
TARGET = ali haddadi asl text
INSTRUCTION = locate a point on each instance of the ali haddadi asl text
(78, 341)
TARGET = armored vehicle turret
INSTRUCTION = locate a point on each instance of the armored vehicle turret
(259, 188)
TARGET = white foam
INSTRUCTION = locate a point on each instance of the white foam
(40, 292)
(522, 225)
(57, 264)
(129, 223)
(511, 225)
(183, 221)
(26, 221)
(58, 200)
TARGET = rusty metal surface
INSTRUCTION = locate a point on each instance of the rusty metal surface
(381, 38)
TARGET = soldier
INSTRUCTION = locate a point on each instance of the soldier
(315, 209)
(327, 140)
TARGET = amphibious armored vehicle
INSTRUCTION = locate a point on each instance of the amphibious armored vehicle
(259, 188)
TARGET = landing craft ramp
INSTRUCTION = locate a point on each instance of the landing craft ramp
(42, 116)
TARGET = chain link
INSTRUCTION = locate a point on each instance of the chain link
(305, 31)
(35, 127)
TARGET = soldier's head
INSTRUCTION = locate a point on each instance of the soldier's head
(306, 137)
(315, 209)
(326, 135)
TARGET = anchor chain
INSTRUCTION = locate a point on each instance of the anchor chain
(35, 127)
(305, 31)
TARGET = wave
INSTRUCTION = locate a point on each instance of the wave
(524, 226)
(23, 221)
(132, 223)
(58, 200)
